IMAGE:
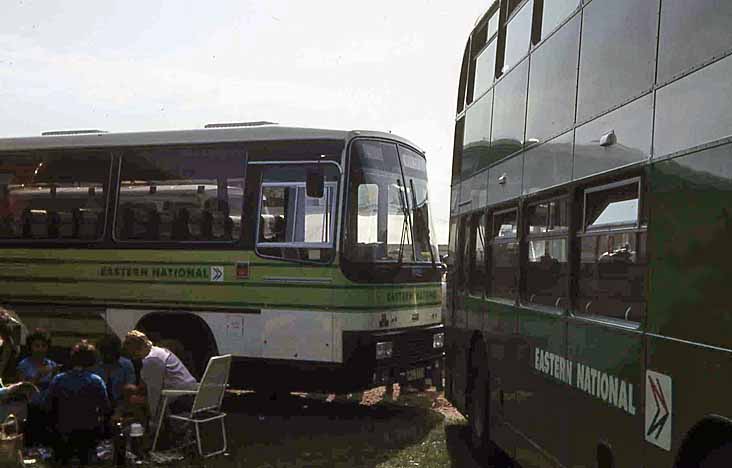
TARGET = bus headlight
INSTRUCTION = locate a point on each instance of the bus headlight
(438, 340)
(384, 349)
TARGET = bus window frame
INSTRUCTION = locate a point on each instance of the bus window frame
(564, 303)
(171, 244)
(637, 228)
(110, 195)
(334, 222)
(516, 207)
(639, 222)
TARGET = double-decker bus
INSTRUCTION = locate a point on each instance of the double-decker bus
(589, 322)
(305, 253)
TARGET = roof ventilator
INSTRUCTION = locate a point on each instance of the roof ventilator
(259, 123)
(72, 132)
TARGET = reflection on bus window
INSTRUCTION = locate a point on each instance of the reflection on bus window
(548, 268)
(613, 263)
(389, 217)
(504, 256)
(368, 210)
(53, 196)
(179, 195)
(613, 207)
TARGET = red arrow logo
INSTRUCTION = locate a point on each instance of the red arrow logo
(659, 421)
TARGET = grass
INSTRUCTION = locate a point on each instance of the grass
(417, 430)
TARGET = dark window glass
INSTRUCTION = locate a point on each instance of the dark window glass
(457, 150)
(694, 110)
(59, 195)
(414, 168)
(518, 36)
(631, 140)
(613, 260)
(465, 247)
(477, 41)
(452, 242)
(475, 191)
(548, 164)
(608, 74)
(612, 275)
(180, 194)
(485, 69)
(477, 140)
(553, 84)
(612, 207)
(509, 113)
(504, 256)
(454, 197)
(493, 24)
(477, 276)
(554, 12)
(388, 192)
(463, 79)
(692, 32)
(504, 181)
(293, 225)
(548, 267)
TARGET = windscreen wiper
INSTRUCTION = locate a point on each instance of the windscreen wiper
(406, 226)
(424, 224)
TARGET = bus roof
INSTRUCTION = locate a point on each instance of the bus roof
(195, 136)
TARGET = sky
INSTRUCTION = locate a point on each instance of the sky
(387, 65)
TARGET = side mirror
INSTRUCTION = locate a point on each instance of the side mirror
(315, 183)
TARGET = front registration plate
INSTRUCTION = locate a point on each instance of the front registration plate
(415, 374)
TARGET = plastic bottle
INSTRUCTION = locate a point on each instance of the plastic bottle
(136, 433)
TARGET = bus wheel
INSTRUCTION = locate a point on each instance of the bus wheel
(720, 457)
(478, 412)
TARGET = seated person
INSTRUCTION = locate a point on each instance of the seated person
(13, 398)
(38, 370)
(160, 365)
(77, 398)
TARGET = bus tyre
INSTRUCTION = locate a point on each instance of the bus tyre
(478, 415)
(720, 457)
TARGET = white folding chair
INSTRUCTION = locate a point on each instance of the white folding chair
(207, 402)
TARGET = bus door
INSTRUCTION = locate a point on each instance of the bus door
(605, 339)
(543, 373)
(295, 238)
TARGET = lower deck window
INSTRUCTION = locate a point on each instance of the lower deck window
(504, 255)
(613, 261)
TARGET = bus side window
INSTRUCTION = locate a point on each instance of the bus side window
(292, 225)
(613, 261)
(547, 241)
(477, 275)
(180, 195)
(504, 255)
(463, 261)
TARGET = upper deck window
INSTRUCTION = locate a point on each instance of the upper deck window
(518, 35)
(58, 195)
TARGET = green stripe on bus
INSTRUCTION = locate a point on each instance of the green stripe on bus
(90, 300)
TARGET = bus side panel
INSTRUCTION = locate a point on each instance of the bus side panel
(502, 348)
(691, 267)
(541, 392)
(605, 398)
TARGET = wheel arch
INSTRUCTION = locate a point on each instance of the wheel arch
(709, 433)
